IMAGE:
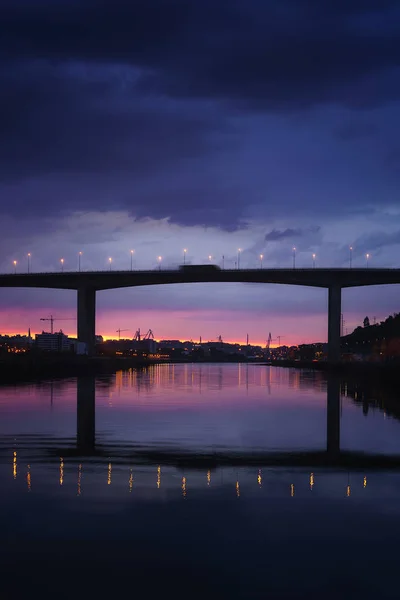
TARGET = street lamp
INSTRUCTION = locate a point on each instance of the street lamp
(15, 266)
(184, 256)
(351, 256)
(238, 260)
(367, 256)
(261, 260)
(294, 258)
(29, 262)
(110, 261)
(159, 262)
(79, 261)
(313, 260)
(62, 265)
(210, 257)
(132, 253)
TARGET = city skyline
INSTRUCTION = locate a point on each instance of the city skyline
(65, 323)
(160, 139)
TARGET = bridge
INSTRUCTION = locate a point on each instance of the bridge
(88, 283)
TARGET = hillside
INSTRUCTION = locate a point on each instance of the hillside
(381, 338)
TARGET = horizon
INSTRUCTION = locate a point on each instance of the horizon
(108, 338)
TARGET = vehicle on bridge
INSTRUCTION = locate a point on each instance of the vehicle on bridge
(202, 268)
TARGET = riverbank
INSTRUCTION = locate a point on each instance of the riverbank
(362, 369)
(20, 368)
(33, 367)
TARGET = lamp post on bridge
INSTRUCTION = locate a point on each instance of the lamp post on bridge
(184, 256)
(110, 262)
(350, 257)
(79, 261)
(313, 260)
(15, 266)
(261, 260)
(29, 262)
(159, 262)
(132, 253)
(62, 265)
(294, 258)
(367, 257)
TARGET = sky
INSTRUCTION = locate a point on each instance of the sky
(207, 125)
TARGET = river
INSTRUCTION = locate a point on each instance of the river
(241, 481)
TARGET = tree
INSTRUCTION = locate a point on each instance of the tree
(366, 322)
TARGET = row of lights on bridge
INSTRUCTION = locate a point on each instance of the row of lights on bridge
(210, 258)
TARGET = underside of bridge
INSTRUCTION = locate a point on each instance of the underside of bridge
(87, 320)
(86, 413)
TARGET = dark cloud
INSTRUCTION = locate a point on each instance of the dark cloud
(276, 235)
(392, 160)
(201, 204)
(56, 123)
(63, 124)
(343, 7)
(376, 242)
(122, 90)
(355, 130)
(265, 54)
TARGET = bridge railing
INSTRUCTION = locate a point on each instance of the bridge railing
(83, 272)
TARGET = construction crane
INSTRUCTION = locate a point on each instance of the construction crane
(52, 319)
(119, 332)
(147, 336)
(271, 339)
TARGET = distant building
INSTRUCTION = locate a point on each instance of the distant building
(147, 345)
(170, 344)
(53, 342)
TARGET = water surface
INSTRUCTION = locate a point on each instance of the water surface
(82, 514)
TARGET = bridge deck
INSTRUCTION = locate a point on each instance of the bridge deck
(103, 280)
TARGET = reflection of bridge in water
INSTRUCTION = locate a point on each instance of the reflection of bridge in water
(87, 445)
(331, 456)
(84, 462)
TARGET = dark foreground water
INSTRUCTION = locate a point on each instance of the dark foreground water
(86, 512)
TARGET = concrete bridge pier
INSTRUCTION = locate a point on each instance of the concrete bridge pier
(333, 417)
(87, 317)
(85, 438)
(334, 318)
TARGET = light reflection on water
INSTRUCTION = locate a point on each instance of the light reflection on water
(78, 490)
(203, 407)
(152, 480)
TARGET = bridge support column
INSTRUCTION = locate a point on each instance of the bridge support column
(333, 417)
(85, 408)
(334, 317)
(87, 318)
